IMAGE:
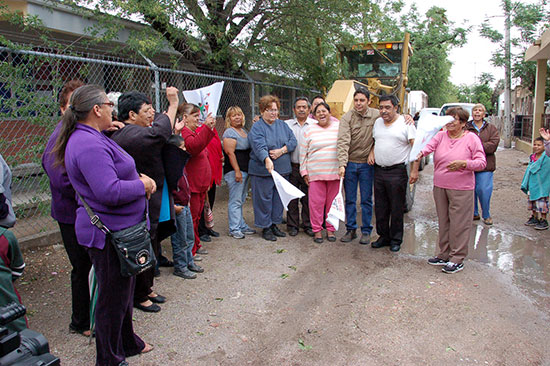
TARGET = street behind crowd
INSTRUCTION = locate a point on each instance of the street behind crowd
(294, 302)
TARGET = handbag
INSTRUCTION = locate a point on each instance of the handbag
(132, 245)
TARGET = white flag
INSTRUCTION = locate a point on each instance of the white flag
(337, 210)
(207, 99)
(428, 127)
(287, 192)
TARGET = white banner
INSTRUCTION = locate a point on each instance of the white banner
(337, 210)
(428, 127)
(207, 99)
(287, 192)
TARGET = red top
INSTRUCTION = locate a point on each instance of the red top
(215, 156)
(198, 168)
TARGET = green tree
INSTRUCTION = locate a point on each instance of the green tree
(528, 20)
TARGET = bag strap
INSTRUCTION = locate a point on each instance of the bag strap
(94, 219)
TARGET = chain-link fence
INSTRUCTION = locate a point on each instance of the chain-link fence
(30, 82)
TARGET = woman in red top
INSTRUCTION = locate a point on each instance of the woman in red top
(215, 157)
(198, 168)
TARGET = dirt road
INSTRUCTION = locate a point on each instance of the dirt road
(294, 302)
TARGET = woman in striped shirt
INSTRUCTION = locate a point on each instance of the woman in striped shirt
(319, 167)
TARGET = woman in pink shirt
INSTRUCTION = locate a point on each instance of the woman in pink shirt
(319, 167)
(457, 155)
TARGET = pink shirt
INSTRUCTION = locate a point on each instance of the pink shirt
(446, 150)
(318, 152)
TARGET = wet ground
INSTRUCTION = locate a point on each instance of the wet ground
(294, 302)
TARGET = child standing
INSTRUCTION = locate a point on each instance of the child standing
(184, 238)
(536, 183)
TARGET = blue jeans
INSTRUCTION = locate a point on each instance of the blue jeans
(237, 196)
(183, 240)
(483, 192)
(361, 174)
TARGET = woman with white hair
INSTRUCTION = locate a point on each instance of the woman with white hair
(490, 139)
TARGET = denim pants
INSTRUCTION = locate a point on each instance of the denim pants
(183, 240)
(483, 192)
(359, 174)
(237, 196)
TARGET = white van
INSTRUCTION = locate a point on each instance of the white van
(466, 106)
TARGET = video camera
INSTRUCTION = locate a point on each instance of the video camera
(25, 348)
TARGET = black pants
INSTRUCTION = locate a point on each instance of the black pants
(293, 213)
(115, 337)
(390, 187)
(211, 198)
(80, 261)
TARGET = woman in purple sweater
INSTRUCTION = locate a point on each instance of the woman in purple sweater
(106, 177)
(457, 155)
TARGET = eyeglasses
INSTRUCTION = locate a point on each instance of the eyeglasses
(110, 104)
(272, 110)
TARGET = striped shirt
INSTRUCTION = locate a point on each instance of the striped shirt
(318, 152)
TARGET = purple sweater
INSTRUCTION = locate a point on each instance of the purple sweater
(107, 179)
(446, 150)
(63, 195)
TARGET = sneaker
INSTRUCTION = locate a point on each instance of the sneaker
(237, 235)
(542, 225)
(350, 235)
(186, 273)
(451, 267)
(488, 221)
(197, 258)
(248, 231)
(202, 251)
(194, 268)
(365, 239)
(434, 261)
(533, 221)
(476, 217)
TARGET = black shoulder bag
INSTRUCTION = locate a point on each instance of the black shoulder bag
(132, 245)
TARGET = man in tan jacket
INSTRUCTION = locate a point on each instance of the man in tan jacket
(354, 145)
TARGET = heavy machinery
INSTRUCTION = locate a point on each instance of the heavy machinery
(381, 67)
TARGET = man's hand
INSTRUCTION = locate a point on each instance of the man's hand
(172, 95)
(269, 165)
(414, 177)
(238, 176)
(370, 158)
(342, 171)
(408, 119)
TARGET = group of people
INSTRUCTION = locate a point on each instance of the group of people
(165, 167)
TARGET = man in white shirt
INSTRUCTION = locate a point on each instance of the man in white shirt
(298, 126)
(393, 140)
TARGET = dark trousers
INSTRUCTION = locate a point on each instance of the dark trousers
(80, 261)
(145, 280)
(115, 337)
(390, 188)
(293, 213)
(211, 198)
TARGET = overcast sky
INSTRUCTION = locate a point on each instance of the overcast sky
(472, 59)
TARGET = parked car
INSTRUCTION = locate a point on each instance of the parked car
(427, 111)
(466, 106)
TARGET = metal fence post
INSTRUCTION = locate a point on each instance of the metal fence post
(157, 81)
(252, 94)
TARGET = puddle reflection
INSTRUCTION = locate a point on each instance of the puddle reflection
(526, 259)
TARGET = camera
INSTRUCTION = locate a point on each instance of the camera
(25, 348)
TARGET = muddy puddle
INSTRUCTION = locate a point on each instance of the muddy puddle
(526, 259)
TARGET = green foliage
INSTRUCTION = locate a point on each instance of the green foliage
(480, 92)
(528, 21)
